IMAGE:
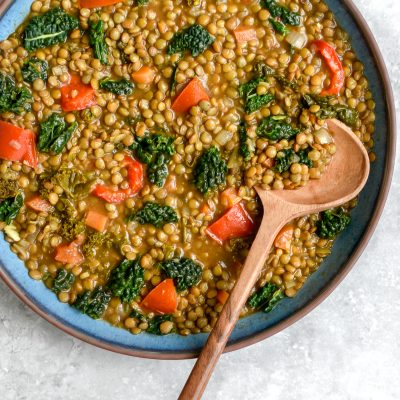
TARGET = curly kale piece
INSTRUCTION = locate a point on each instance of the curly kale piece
(264, 71)
(154, 214)
(97, 39)
(8, 188)
(266, 298)
(93, 303)
(13, 98)
(33, 69)
(278, 26)
(245, 147)
(195, 39)
(9, 208)
(138, 315)
(276, 128)
(285, 158)
(49, 28)
(126, 280)
(154, 324)
(155, 151)
(184, 271)
(71, 227)
(95, 241)
(63, 281)
(347, 115)
(252, 100)
(284, 14)
(121, 87)
(54, 134)
(210, 170)
(332, 222)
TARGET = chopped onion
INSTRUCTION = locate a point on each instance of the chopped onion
(223, 137)
(297, 39)
(12, 233)
(234, 159)
(15, 145)
(322, 136)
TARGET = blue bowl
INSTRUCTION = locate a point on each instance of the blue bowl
(256, 327)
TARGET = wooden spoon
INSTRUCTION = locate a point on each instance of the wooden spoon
(342, 181)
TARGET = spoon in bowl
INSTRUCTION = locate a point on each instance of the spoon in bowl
(343, 180)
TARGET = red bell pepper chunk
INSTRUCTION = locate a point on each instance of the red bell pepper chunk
(69, 254)
(190, 96)
(97, 3)
(76, 95)
(162, 299)
(333, 62)
(17, 144)
(234, 223)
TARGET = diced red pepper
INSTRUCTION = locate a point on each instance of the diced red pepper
(69, 254)
(76, 95)
(17, 144)
(333, 62)
(234, 223)
(39, 204)
(97, 3)
(162, 299)
(190, 96)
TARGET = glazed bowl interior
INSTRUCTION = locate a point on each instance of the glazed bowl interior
(346, 250)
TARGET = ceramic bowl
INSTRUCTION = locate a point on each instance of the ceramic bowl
(256, 327)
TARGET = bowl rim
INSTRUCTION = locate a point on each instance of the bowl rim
(329, 288)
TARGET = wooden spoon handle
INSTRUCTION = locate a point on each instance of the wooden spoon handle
(216, 342)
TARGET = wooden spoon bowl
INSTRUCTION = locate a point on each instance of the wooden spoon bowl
(343, 180)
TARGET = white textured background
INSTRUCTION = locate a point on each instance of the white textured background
(348, 348)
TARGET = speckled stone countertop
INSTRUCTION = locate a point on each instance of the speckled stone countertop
(348, 348)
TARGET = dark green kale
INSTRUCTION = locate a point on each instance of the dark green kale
(97, 39)
(95, 241)
(33, 69)
(347, 115)
(252, 100)
(155, 151)
(332, 222)
(285, 158)
(8, 188)
(262, 70)
(245, 150)
(276, 128)
(93, 303)
(154, 214)
(278, 26)
(266, 298)
(121, 87)
(142, 3)
(49, 28)
(9, 208)
(63, 281)
(139, 316)
(195, 39)
(54, 134)
(278, 11)
(12, 97)
(210, 170)
(154, 324)
(184, 271)
(126, 280)
(70, 227)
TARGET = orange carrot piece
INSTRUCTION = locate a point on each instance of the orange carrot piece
(284, 237)
(39, 204)
(144, 75)
(69, 254)
(96, 220)
(229, 197)
(244, 34)
(163, 298)
(222, 296)
(190, 96)
(97, 3)
(76, 95)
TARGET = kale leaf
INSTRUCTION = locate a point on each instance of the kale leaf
(266, 298)
(95, 241)
(184, 271)
(54, 134)
(70, 226)
(276, 128)
(252, 100)
(63, 281)
(262, 70)
(97, 40)
(278, 11)
(12, 97)
(126, 280)
(142, 3)
(138, 315)
(9, 208)
(245, 150)
(154, 324)
(155, 151)
(50, 28)
(195, 39)
(347, 115)
(8, 188)
(285, 158)
(93, 303)
(278, 26)
(33, 69)
(121, 87)
(303, 157)
(210, 170)
(154, 214)
(332, 222)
